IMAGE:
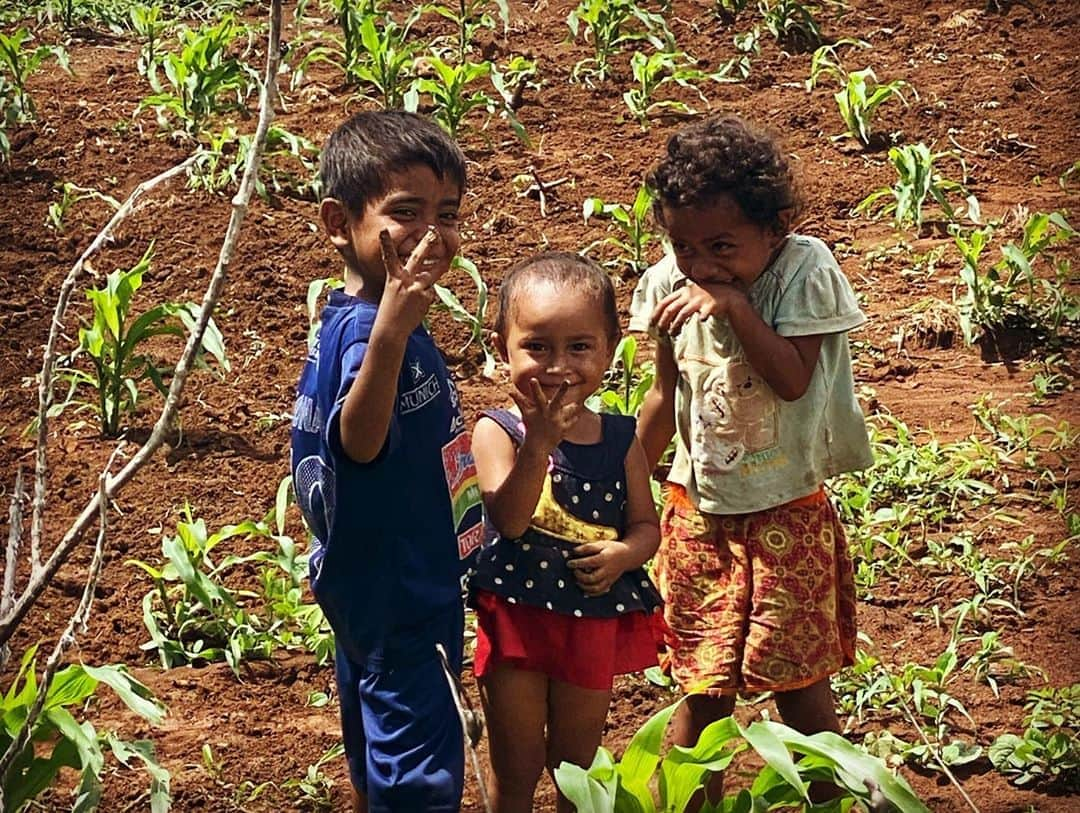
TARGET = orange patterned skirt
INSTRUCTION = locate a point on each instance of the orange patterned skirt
(755, 602)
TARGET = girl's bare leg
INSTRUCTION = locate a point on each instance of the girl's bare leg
(575, 722)
(810, 710)
(689, 720)
(516, 709)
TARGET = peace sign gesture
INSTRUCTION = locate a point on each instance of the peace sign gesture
(409, 288)
(546, 421)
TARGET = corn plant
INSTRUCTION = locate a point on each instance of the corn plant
(653, 71)
(468, 17)
(374, 51)
(19, 61)
(512, 80)
(791, 23)
(826, 62)
(627, 786)
(860, 98)
(202, 79)
(58, 740)
(70, 194)
(633, 223)
(1009, 294)
(448, 88)
(1049, 749)
(148, 23)
(606, 24)
(115, 342)
(728, 10)
(626, 383)
(450, 303)
(916, 181)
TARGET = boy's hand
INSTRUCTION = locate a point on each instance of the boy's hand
(410, 288)
(546, 422)
(598, 565)
(715, 299)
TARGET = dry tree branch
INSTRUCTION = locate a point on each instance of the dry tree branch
(76, 624)
(10, 620)
(11, 555)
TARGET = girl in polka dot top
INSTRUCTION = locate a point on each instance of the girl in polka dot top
(561, 598)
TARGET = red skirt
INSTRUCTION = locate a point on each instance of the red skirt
(585, 652)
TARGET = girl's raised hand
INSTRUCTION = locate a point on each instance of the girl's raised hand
(672, 312)
(546, 421)
(409, 289)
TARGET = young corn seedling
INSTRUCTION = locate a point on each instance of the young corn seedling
(917, 180)
(19, 61)
(606, 24)
(448, 88)
(652, 72)
(791, 23)
(626, 383)
(826, 62)
(202, 79)
(70, 194)
(632, 221)
(289, 166)
(374, 51)
(114, 343)
(449, 302)
(860, 98)
(468, 17)
(147, 22)
(727, 10)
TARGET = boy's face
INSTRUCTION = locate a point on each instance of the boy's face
(415, 199)
(717, 243)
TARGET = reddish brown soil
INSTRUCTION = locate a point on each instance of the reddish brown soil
(999, 84)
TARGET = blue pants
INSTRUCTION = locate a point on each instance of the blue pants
(402, 734)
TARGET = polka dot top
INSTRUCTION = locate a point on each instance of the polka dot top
(583, 499)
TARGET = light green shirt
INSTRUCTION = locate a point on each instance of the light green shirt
(738, 446)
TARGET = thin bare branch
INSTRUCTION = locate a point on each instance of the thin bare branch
(10, 620)
(48, 362)
(11, 554)
(76, 625)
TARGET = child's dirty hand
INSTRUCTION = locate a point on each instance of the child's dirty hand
(715, 299)
(546, 420)
(598, 565)
(410, 288)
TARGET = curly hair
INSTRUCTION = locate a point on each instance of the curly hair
(725, 155)
(578, 275)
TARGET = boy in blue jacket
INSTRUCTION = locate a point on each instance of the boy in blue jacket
(381, 463)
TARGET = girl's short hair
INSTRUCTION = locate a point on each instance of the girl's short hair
(364, 152)
(725, 155)
(566, 270)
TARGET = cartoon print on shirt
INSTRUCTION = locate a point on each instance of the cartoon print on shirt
(734, 413)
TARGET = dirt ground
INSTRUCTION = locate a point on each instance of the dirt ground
(997, 83)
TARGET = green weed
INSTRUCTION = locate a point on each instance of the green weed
(1049, 749)
(70, 194)
(627, 785)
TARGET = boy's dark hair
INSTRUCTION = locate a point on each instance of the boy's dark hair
(562, 268)
(725, 155)
(360, 156)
